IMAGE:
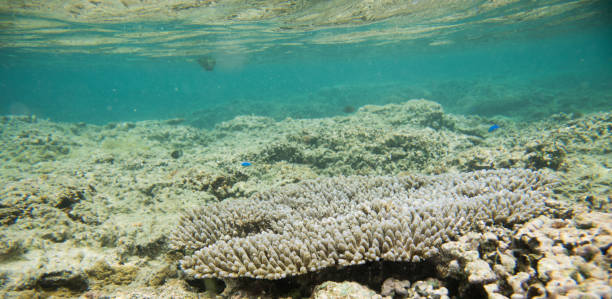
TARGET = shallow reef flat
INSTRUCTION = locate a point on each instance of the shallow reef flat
(93, 211)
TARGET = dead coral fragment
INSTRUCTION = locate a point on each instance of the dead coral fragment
(119, 275)
(346, 221)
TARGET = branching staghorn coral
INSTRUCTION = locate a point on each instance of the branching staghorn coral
(345, 221)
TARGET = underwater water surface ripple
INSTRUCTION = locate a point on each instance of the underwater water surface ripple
(98, 61)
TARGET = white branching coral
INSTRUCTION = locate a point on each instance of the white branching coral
(346, 221)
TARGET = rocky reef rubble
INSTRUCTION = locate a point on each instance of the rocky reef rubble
(546, 258)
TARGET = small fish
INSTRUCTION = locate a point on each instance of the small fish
(246, 164)
(207, 63)
(493, 128)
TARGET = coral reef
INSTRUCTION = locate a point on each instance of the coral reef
(110, 195)
(29, 144)
(414, 135)
(351, 220)
(349, 290)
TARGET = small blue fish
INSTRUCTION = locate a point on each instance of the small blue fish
(246, 164)
(493, 128)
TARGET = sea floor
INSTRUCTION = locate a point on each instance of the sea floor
(86, 210)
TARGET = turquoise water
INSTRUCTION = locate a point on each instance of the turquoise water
(103, 211)
(523, 69)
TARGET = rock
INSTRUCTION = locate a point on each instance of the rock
(592, 288)
(591, 270)
(561, 286)
(492, 290)
(500, 271)
(394, 287)
(126, 126)
(559, 223)
(508, 262)
(344, 290)
(488, 242)
(583, 221)
(518, 282)
(583, 295)
(245, 123)
(119, 275)
(75, 281)
(10, 248)
(450, 269)
(430, 288)
(67, 197)
(542, 154)
(8, 215)
(479, 272)
(423, 288)
(174, 288)
(454, 267)
(531, 235)
(572, 263)
(603, 241)
(451, 249)
(557, 266)
(174, 121)
(558, 250)
(536, 291)
(162, 275)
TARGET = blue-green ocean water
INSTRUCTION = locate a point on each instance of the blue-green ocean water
(526, 70)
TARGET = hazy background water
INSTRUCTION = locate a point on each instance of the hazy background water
(526, 70)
